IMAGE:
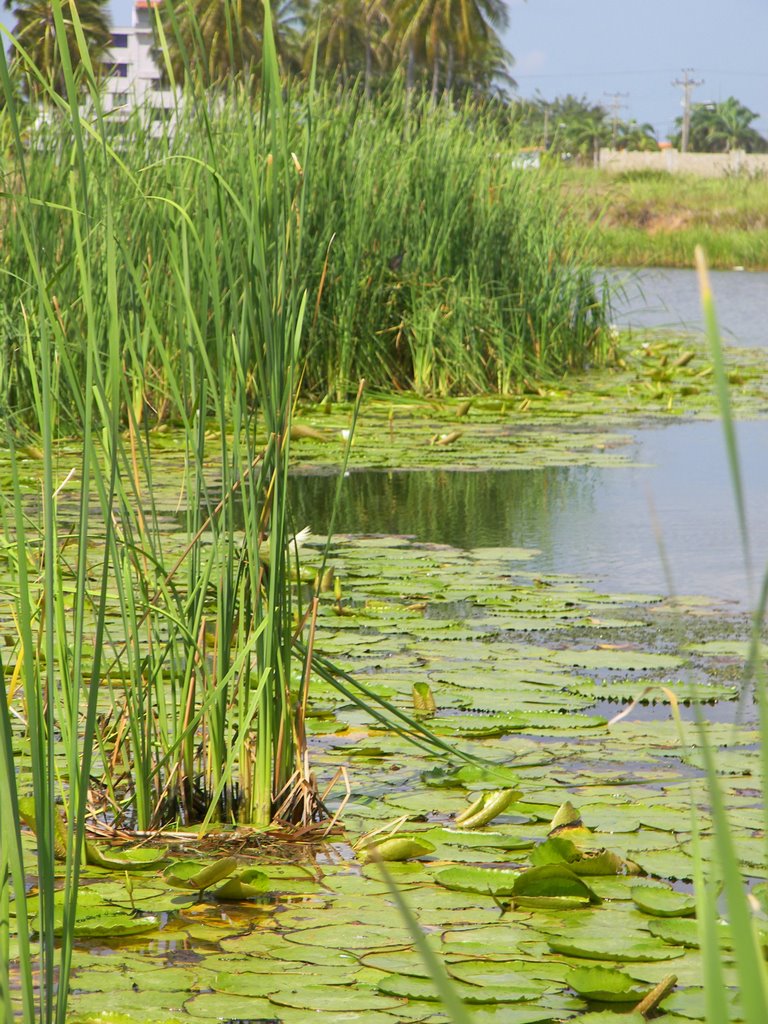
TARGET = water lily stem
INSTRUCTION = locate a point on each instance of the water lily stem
(648, 1005)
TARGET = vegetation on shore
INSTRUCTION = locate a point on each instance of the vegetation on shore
(430, 261)
(163, 641)
(650, 218)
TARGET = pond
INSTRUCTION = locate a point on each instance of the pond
(668, 299)
(604, 524)
(514, 612)
(613, 525)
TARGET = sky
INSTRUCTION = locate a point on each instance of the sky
(638, 47)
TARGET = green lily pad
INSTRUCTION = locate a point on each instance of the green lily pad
(140, 858)
(612, 948)
(558, 850)
(489, 805)
(488, 881)
(552, 886)
(111, 925)
(424, 988)
(196, 876)
(619, 660)
(662, 902)
(334, 998)
(606, 985)
(245, 885)
(397, 848)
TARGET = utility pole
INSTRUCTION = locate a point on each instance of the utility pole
(615, 105)
(687, 85)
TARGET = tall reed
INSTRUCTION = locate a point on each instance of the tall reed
(430, 260)
(748, 945)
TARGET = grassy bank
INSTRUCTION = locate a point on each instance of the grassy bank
(657, 219)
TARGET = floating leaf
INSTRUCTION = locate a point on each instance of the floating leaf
(613, 947)
(245, 885)
(557, 850)
(397, 848)
(625, 661)
(194, 876)
(137, 859)
(423, 698)
(489, 881)
(566, 819)
(606, 985)
(409, 987)
(488, 806)
(662, 902)
(334, 998)
(113, 925)
(550, 886)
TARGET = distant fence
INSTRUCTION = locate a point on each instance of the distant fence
(705, 165)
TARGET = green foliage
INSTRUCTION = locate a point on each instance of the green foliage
(654, 218)
(574, 128)
(38, 58)
(428, 259)
(721, 128)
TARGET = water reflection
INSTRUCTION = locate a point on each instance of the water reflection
(601, 524)
(465, 509)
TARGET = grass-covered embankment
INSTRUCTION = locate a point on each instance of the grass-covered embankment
(657, 219)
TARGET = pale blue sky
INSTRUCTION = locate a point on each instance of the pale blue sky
(594, 47)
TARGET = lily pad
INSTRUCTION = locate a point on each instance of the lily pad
(245, 885)
(662, 902)
(552, 886)
(195, 876)
(334, 998)
(488, 881)
(397, 848)
(606, 985)
(139, 858)
(612, 948)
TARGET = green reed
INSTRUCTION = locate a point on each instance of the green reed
(747, 944)
(429, 259)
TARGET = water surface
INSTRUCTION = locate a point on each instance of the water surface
(669, 299)
(608, 525)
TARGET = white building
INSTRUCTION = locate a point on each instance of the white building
(134, 79)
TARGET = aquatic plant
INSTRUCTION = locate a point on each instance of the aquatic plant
(726, 873)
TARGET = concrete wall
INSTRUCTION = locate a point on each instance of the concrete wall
(705, 165)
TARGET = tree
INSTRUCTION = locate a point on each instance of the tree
(635, 136)
(441, 38)
(568, 125)
(219, 38)
(722, 127)
(350, 39)
(35, 31)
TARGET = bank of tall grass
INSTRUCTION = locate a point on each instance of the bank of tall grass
(649, 218)
(429, 260)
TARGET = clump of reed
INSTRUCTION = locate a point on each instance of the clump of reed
(429, 259)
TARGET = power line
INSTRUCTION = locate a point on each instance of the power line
(615, 105)
(687, 85)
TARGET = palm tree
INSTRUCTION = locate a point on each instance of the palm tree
(35, 31)
(635, 136)
(443, 35)
(350, 39)
(219, 38)
(722, 127)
